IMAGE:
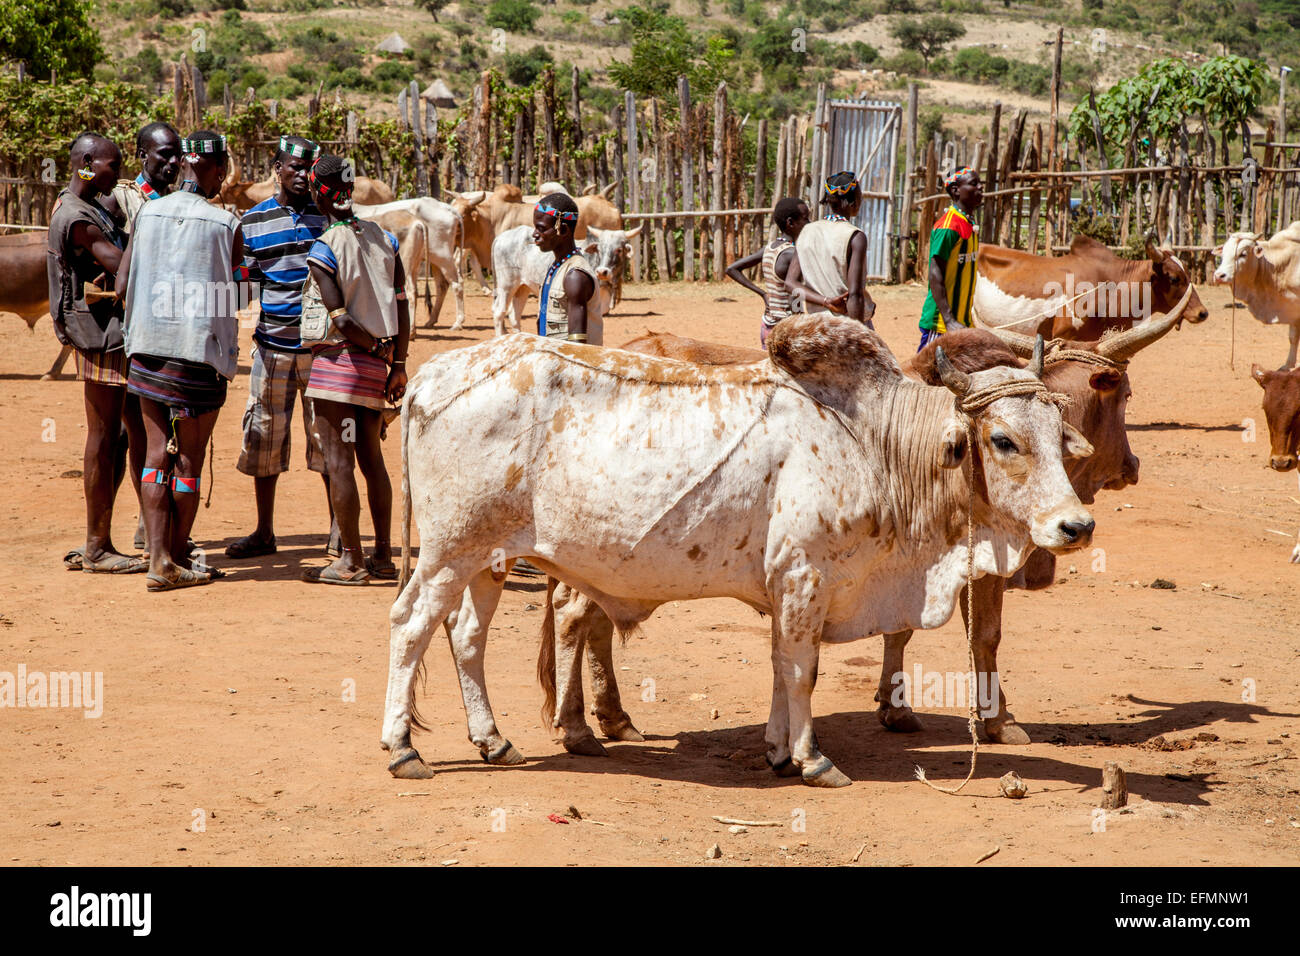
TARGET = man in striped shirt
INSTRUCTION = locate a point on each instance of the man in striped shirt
(954, 249)
(277, 236)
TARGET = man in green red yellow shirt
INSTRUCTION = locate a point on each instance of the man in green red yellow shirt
(954, 249)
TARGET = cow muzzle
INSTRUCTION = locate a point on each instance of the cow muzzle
(1067, 530)
(1282, 462)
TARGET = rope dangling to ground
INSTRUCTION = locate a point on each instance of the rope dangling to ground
(968, 407)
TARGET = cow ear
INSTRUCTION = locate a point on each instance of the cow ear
(1107, 380)
(1075, 445)
(954, 445)
(1257, 374)
(591, 247)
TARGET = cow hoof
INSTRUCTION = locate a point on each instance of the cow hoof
(587, 746)
(407, 765)
(900, 720)
(1008, 733)
(783, 768)
(504, 756)
(823, 773)
(621, 730)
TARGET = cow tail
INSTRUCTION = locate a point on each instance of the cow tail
(406, 497)
(546, 656)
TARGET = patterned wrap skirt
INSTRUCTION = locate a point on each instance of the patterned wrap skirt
(190, 389)
(344, 373)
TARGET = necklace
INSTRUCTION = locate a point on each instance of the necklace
(835, 217)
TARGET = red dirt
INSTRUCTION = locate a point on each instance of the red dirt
(229, 699)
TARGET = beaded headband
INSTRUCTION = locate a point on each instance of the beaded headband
(557, 213)
(306, 150)
(195, 147)
(846, 187)
(956, 174)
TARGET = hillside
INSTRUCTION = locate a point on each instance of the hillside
(773, 55)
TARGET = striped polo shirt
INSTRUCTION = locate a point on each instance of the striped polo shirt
(276, 242)
(954, 243)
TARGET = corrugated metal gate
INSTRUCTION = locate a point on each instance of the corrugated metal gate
(864, 138)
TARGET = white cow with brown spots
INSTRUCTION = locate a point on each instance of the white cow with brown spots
(821, 488)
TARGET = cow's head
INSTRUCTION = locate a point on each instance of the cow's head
(1282, 409)
(1099, 397)
(1021, 444)
(1238, 252)
(607, 251)
(1169, 281)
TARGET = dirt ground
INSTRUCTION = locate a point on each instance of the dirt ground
(228, 736)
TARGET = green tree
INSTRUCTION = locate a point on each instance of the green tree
(663, 48)
(513, 16)
(433, 6)
(928, 36)
(50, 35)
(773, 44)
(523, 68)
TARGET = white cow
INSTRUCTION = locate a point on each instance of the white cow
(446, 238)
(519, 269)
(820, 488)
(1265, 274)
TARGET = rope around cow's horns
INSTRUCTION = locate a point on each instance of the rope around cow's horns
(967, 407)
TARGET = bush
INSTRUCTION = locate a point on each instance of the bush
(755, 13)
(900, 6)
(908, 63)
(523, 68)
(302, 72)
(974, 64)
(573, 18)
(931, 121)
(1092, 4)
(459, 29)
(390, 76)
(513, 16)
(253, 76)
(831, 22)
(145, 67)
(282, 88)
(1029, 78)
(171, 9)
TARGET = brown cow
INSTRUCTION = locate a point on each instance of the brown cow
(24, 286)
(1282, 410)
(245, 195)
(1079, 295)
(1099, 388)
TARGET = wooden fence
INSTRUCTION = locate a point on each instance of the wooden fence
(700, 179)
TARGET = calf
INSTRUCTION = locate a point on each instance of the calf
(444, 235)
(519, 268)
(1282, 410)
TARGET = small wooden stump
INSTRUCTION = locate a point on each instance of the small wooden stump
(1114, 789)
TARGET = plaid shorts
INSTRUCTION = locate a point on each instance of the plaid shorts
(102, 368)
(275, 382)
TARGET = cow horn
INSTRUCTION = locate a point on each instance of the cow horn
(956, 381)
(1022, 345)
(1036, 360)
(609, 190)
(1122, 347)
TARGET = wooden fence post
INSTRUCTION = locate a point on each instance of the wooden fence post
(719, 162)
(688, 177)
(909, 168)
(988, 226)
(760, 181)
(656, 195)
(634, 173)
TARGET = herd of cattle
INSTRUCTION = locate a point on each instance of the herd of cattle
(822, 482)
